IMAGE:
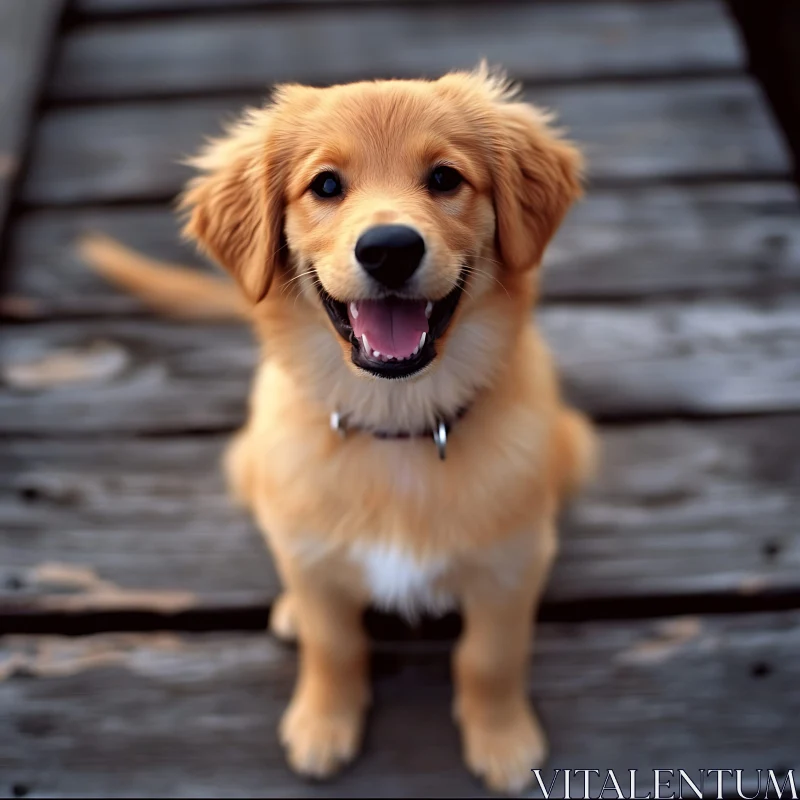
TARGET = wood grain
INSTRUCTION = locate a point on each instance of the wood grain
(120, 152)
(159, 377)
(135, 524)
(250, 51)
(709, 240)
(701, 358)
(669, 130)
(146, 525)
(197, 716)
(630, 243)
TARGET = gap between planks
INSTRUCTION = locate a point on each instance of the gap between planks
(43, 618)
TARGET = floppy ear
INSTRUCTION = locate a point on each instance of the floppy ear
(537, 177)
(236, 206)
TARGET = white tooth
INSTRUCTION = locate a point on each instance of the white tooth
(376, 354)
(354, 310)
(428, 310)
(366, 343)
(422, 340)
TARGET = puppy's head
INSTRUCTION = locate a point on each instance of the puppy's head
(392, 206)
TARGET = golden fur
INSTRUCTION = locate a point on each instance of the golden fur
(478, 527)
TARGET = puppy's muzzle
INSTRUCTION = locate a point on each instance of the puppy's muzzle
(390, 254)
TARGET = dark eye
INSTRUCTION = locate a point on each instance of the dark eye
(326, 185)
(444, 179)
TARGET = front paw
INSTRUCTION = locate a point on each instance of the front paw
(318, 743)
(503, 751)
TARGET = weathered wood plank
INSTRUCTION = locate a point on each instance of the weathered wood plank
(645, 132)
(631, 361)
(740, 238)
(26, 30)
(678, 508)
(119, 152)
(139, 524)
(648, 241)
(197, 717)
(697, 358)
(47, 277)
(112, 8)
(99, 374)
(541, 42)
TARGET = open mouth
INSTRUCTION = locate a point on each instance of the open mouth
(393, 337)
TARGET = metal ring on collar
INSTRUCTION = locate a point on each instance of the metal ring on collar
(440, 437)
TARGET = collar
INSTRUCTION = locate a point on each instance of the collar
(438, 432)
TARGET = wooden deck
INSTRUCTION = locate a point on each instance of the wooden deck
(133, 596)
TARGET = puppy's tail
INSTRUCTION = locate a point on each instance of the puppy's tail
(577, 451)
(171, 289)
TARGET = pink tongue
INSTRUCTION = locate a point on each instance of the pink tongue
(393, 327)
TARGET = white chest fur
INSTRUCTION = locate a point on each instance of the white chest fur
(398, 582)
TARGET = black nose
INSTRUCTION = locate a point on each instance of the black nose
(390, 253)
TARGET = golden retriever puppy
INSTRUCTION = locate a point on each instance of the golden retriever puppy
(406, 444)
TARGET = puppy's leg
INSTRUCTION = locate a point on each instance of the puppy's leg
(239, 468)
(322, 728)
(501, 737)
(283, 618)
(576, 452)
